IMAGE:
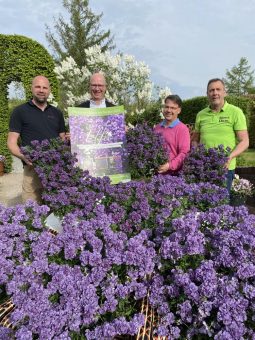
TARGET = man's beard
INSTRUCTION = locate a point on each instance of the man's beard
(40, 100)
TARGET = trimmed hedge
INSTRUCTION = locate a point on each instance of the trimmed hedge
(251, 125)
(190, 108)
(21, 59)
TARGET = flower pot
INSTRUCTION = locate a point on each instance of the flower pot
(237, 200)
(1, 168)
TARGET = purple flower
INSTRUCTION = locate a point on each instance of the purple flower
(146, 151)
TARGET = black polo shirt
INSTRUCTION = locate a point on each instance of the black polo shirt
(34, 124)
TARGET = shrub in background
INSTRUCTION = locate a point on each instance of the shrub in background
(241, 160)
(191, 107)
(251, 128)
(150, 115)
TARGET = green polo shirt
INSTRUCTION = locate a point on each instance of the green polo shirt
(217, 128)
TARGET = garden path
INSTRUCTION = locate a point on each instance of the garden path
(10, 185)
(10, 189)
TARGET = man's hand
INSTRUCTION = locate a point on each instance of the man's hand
(243, 144)
(67, 136)
(226, 165)
(27, 161)
(163, 168)
(12, 143)
(195, 138)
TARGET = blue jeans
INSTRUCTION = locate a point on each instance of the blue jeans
(230, 177)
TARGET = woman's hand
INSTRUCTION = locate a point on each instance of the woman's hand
(164, 168)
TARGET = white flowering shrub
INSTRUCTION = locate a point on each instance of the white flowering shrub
(163, 93)
(128, 80)
(51, 100)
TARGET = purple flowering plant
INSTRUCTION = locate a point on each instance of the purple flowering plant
(204, 284)
(85, 281)
(2, 158)
(136, 204)
(206, 165)
(145, 150)
(66, 186)
(153, 205)
(88, 280)
(173, 241)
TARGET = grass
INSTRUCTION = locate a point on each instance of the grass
(247, 158)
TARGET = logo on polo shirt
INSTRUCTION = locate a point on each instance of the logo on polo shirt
(51, 116)
(224, 119)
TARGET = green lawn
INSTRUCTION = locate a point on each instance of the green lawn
(247, 158)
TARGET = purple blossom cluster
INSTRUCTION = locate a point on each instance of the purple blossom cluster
(133, 206)
(206, 165)
(66, 187)
(205, 280)
(86, 280)
(89, 279)
(153, 205)
(146, 151)
(176, 242)
(5, 333)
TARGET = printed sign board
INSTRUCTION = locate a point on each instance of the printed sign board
(98, 140)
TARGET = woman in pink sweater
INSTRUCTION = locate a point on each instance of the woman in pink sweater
(176, 136)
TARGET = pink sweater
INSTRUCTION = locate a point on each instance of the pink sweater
(177, 143)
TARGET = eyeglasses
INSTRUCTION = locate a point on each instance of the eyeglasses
(173, 108)
(97, 85)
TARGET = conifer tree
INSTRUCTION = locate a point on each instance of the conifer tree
(73, 38)
(239, 80)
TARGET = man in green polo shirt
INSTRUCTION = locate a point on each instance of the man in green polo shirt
(221, 123)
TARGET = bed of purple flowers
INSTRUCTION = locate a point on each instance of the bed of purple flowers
(176, 242)
(206, 165)
(145, 150)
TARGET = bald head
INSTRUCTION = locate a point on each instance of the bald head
(97, 87)
(98, 77)
(40, 90)
(40, 79)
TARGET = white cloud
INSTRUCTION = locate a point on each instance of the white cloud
(187, 42)
(184, 42)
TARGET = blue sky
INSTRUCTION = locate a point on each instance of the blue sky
(184, 42)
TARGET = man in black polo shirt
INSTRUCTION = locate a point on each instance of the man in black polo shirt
(34, 120)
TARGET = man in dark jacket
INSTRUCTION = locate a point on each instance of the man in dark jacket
(97, 88)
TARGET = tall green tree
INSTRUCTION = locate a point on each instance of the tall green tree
(239, 80)
(73, 38)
